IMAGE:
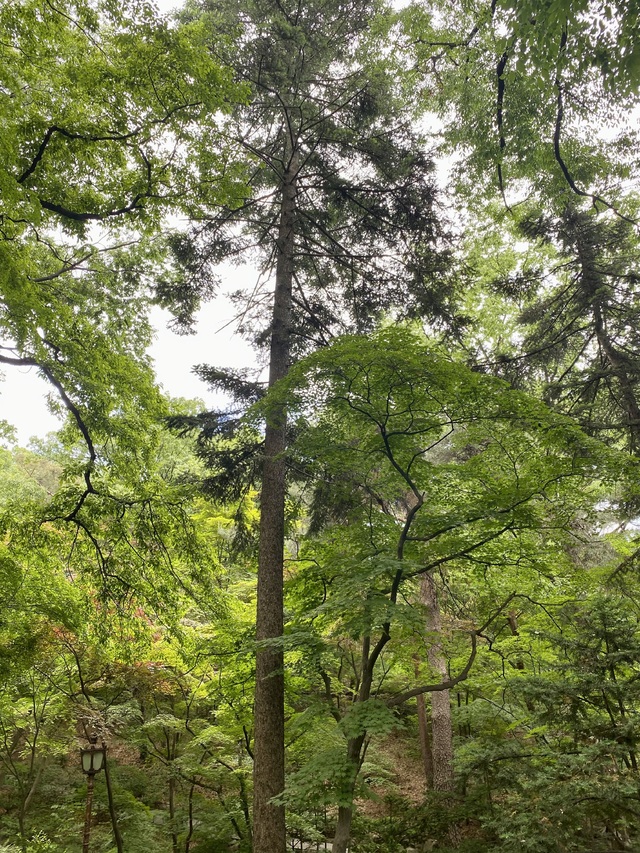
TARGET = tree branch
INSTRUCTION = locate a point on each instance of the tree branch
(74, 215)
(463, 675)
(86, 137)
(595, 198)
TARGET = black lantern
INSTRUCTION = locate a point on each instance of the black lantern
(93, 757)
(92, 762)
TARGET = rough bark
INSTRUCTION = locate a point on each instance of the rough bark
(441, 721)
(441, 725)
(424, 731)
(268, 771)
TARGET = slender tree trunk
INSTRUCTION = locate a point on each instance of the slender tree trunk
(172, 812)
(112, 809)
(441, 725)
(441, 721)
(187, 841)
(244, 804)
(23, 834)
(24, 807)
(345, 813)
(354, 755)
(268, 771)
(423, 731)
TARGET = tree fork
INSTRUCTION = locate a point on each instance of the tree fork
(268, 772)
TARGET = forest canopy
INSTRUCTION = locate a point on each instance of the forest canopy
(385, 598)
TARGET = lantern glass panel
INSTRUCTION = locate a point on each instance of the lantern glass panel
(98, 757)
(86, 760)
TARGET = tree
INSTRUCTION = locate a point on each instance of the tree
(117, 619)
(450, 469)
(99, 141)
(547, 765)
(341, 210)
(579, 334)
(547, 126)
(524, 80)
(96, 143)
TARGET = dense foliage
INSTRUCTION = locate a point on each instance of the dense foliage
(448, 440)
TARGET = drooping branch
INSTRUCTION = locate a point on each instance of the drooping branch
(502, 64)
(84, 430)
(77, 416)
(464, 674)
(69, 135)
(595, 198)
(87, 137)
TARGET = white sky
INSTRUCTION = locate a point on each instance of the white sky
(23, 393)
(215, 342)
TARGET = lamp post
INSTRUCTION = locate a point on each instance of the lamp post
(92, 762)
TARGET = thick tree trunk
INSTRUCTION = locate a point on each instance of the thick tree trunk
(268, 771)
(343, 830)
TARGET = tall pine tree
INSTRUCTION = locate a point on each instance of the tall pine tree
(341, 213)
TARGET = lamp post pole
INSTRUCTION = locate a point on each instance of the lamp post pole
(87, 813)
(92, 762)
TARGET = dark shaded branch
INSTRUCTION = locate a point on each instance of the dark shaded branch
(247, 742)
(499, 121)
(595, 198)
(47, 139)
(624, 566)
(18, 362)
(463, 675)
(327, 691)
(462, 553)
(84, 137)
(451, 44)
(75, 412)
(67, 268)
(86, 217)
